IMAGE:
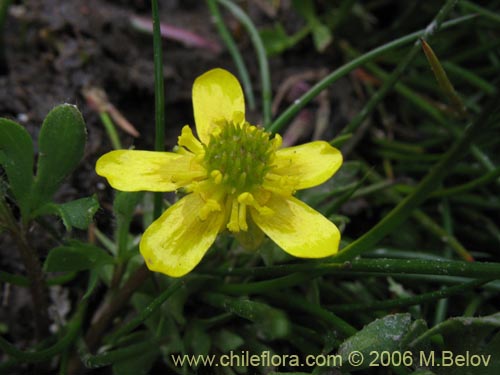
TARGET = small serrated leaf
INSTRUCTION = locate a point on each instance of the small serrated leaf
(61, 144)
(16, 157)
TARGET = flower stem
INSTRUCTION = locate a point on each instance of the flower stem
(159, 96)
(261, 58)
(115, 305)
(146, 313)
(291, 111)
(400, 68)
(406, 207)
(233, 50)
(383, 266)
(299, 303)
(111, 130)
(408, 301)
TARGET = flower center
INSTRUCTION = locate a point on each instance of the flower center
(238, 156)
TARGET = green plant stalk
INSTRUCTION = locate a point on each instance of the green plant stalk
(159, 97)
(441, 308)
(146, 313)
(442, 234)
(392, 79)
(106, 241)
(114, 306)
(408, 301)
(482, 11)
(38, 288)
(291, 111)
(263, 286)
(261, 58)
(425, 187)
(457, 321)
(111, 130)
(379, 266)
(233, 51)
(467, 75)
(425, 106)
(480, 181)
(426, 221)
(299, 303)
(108, 358)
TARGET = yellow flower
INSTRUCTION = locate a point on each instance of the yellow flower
(236, 177)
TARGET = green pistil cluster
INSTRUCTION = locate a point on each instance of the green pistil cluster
(241, 153)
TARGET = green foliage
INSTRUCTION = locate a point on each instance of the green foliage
(467, 336)
(75, 214)
(276, 40)
(76, 256)
(321, 34)
(383, 334)
(61, 143)
(16, 157)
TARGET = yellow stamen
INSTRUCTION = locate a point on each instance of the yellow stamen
(210, 206)
(188, 140)
(216, 176)
(248, 199)
(242, 217)
(233, 224)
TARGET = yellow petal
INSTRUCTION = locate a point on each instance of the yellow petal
(132, 170)
(297, 228)
(309, 164)
(175, 243)
(217, 95)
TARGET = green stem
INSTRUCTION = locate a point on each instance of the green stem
(159, 96)
(428, 108)
(482, 11)
(408, 301)
(380, 266)
(299, 303)
(108, 358)
(400, 68)
(457, 322)
(114, 306)
(425, 187)
(234, 52)
(111, 130)
(146, 313)
(287, 115)
(263, 286)
(261, 58)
